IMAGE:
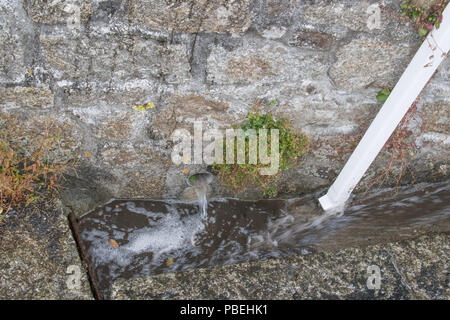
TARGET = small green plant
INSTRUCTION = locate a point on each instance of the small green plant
(270, 191)
(292, 145)
(383, 95)
(425, 14)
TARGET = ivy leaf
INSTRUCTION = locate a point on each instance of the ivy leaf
(383, 95)
(423, 32)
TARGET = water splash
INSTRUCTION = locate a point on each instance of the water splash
(203, 203)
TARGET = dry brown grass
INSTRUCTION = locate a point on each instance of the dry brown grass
(26, 171)
(399, 150)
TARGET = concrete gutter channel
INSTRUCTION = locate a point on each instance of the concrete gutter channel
(412, 266)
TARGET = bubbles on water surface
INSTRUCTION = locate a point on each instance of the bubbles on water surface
(170, 234)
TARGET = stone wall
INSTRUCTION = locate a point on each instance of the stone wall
(207, 60)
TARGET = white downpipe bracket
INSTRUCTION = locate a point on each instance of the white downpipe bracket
(421, 68)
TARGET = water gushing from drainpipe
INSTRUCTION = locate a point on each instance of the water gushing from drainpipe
(421, 68)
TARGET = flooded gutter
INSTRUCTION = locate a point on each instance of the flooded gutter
(421, 68)
(93, 281)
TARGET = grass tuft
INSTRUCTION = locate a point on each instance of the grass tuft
(292, 145)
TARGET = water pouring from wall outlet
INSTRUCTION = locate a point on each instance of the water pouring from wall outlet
(200, 182)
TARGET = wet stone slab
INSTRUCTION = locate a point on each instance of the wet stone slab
(39, 258)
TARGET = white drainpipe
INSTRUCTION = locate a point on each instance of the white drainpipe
(421, 68)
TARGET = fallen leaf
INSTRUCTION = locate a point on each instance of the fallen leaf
(169, 262)
(113, 243)
(87, 155)
(186, 159)
(186, 171)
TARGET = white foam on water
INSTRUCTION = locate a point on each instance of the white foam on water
(103, 252)
(171, 233)
(131, 206)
